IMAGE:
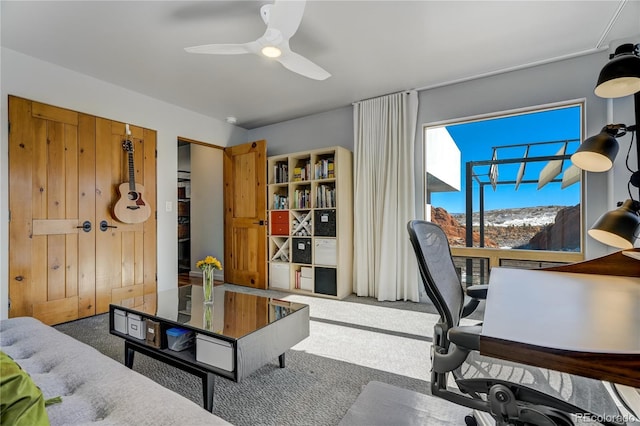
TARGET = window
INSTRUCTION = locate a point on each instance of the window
(507, 181)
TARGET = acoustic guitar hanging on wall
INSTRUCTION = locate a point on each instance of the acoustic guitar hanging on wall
(131, 206)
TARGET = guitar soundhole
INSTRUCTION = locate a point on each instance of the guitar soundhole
(133, 196)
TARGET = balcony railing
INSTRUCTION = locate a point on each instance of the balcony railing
(474, 264)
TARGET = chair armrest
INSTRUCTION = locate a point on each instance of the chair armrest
(467, 337)
(470, 305)
(474, 294)
(478, 291)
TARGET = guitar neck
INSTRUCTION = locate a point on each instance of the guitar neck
(132, 173)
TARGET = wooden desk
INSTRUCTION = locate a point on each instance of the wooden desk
(579, 323)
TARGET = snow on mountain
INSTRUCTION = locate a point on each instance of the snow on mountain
(532, 216)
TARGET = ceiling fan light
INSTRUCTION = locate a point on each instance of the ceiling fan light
(271, 52)
(618, 228)
(621, 75)
(596, 154)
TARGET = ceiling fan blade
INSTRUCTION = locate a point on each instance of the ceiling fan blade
(285, 16)
(224, 49)
(301, 65)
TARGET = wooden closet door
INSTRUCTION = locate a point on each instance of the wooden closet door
(50, 196)
(125, 253)
(64, 168)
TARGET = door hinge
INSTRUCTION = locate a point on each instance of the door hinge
(9, 127)
(9, 215)
(9, 304)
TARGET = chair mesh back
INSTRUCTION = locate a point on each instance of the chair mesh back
(438, 273)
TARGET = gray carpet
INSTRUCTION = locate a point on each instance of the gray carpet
(352, 342)
(381, 404)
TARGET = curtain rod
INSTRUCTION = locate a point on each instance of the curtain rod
(407, 91)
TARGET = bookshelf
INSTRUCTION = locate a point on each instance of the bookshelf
(310, 247)
(184, 221)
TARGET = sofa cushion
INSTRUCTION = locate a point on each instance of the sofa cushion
(93, 387)
(21, 401)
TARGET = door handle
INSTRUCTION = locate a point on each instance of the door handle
(104, 225)
(261, 223)
(86, 226)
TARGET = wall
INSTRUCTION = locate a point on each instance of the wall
(207, 205)
(33, 79)
(570, 79)
(207, 201)
(331, 128)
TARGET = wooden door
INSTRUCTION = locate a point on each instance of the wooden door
(46, 273)
(245, 214)
(56, 186)
(125, 253)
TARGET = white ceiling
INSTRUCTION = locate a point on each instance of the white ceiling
(370, 47)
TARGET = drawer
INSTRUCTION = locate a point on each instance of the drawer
(280, 217)
(279, 228)
(215, 352)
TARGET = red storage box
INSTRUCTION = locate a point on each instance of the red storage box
(279, 229)
(280, 216)
(280, 222)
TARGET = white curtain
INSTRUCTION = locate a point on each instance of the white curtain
(384, 197)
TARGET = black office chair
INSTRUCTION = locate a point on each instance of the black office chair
(513, 394)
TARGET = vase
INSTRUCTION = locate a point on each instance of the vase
(207, 316)
(207, 285)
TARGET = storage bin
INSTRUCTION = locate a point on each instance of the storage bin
(326, 281)
(324, 223)
(306, 278)
(324, 251)
(306, 272)
(183, 230)
(215, 352)
(120, 321)
(135, 326)
(183, 208)
(279, 275)
(153, 338)
(306, 283)
(179, 339)
(301, 250)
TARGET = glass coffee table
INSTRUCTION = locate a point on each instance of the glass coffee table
(233, 337)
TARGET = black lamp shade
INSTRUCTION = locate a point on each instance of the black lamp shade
(596, 154)
(621, 75)
(619, 227)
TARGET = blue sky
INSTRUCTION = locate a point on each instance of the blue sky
(476, 140)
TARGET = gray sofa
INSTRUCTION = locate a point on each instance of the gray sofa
(95, 389)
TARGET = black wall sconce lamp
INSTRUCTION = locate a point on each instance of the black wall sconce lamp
(619, 77)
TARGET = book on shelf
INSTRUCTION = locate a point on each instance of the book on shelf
(281, 172)
(325, 196)
(302, 198)
(325, 169)
(302, 172)
(280, 202)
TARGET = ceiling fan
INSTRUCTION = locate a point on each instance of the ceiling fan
(283, 18)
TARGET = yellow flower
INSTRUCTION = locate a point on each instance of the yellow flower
(208, 263)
